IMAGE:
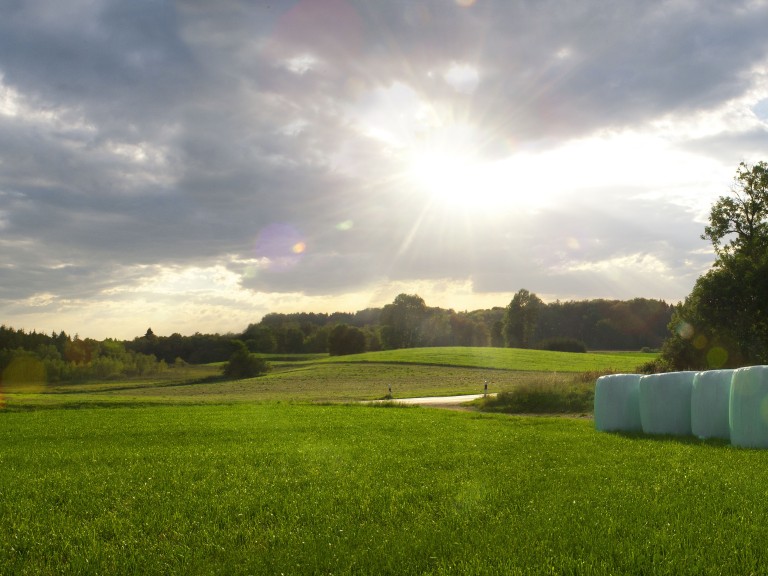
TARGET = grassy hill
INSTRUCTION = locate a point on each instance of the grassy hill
(319, 378)
(505, 359)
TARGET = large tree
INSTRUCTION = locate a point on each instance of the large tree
(401, 322)
(345, 339)
(724, 321)
(521, 318)
(738, 223)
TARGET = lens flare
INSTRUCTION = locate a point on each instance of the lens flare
(280, 247)
(573, 243)
(685, 330)
(717, 357)
(24, 375)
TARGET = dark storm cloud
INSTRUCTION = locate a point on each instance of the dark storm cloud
(154, 133)
(121, 63)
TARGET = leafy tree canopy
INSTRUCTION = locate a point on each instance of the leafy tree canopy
(742, 217)
(401, 321)
(724, 321)
(521, 318)
(345, 339)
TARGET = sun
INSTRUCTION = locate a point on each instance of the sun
(442, 155)
(450, 165)
(448, 176)
(455, 175)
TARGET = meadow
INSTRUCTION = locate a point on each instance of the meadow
(291, 475)
(504, 359)
(350, 489)
(319, 378)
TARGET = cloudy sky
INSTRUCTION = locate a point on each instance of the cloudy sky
(193, 165)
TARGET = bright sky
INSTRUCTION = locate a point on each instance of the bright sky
(191, 166)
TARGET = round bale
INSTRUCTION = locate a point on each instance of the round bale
(710, 398)
(749, 407)
(617, 406)
(665, 403)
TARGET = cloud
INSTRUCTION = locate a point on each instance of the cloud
(318, 151)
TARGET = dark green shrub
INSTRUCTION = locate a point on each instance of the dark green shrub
(562, 345)
(345, 339)
(243, 364)
(656, 366)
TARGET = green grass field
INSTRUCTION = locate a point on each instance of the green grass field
(416, 372)
(301, 489)
(289, 474)
(505, 359)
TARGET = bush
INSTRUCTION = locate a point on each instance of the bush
(243, 364)
(544, 398)
(656, 366)
(562, 345)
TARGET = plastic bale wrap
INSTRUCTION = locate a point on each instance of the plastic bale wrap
(617, 403)
(749, 407)
(665, 403)
(710, 399)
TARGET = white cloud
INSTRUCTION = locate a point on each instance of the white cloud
(462, 77)
(301, 64)
(10, 102)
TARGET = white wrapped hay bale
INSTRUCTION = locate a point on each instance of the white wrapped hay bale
(617, 406)
(710, 398)
(749, 407)
(665, 403)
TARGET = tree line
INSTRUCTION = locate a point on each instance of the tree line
(408, 322)
(34, 356)
(405, 323)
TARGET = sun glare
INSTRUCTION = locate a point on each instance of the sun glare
(448, 177)
(442, 156)
(461, 179)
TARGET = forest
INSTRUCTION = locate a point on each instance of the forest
(409, 323)
(405, 323)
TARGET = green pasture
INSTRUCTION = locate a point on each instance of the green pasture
(323, 383)
(408, 373)
(505, 359)
(288, 473)
(279, 488)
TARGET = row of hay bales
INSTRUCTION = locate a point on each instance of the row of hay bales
(727, 404)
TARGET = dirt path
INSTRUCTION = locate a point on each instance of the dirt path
(451, 402)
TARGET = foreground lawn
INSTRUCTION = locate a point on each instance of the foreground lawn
(300, 489)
